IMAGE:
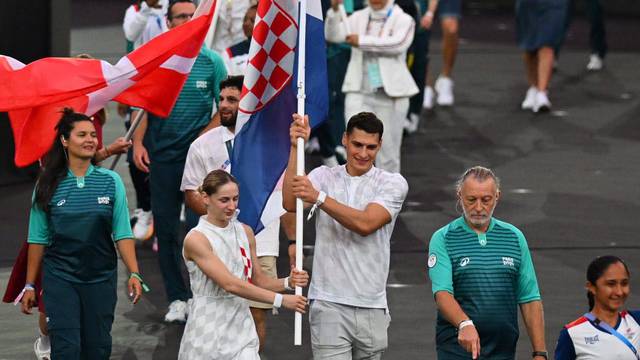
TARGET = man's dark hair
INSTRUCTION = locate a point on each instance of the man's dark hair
(367, 122)
(234, 81)
(173, 2)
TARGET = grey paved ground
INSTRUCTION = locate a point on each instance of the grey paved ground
(570, 183)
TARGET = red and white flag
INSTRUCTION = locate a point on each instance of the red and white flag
(151, 77)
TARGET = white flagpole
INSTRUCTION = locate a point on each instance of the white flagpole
(302, 29)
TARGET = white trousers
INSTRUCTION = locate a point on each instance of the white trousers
(392, 112)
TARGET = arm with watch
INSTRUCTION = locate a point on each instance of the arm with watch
(363, 222)
(468, 336)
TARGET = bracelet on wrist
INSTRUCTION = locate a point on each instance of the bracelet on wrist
(292, 242)
(322, 196)
(277, 301)
(544, 354)
(136, 275)
(464, 323)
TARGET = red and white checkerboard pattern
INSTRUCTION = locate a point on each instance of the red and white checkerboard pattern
(271, 56)
(246, 259)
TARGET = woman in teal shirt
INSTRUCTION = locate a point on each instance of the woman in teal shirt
(78, 217)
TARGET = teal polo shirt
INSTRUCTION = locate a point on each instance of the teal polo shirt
(488, 274)
(168, 139)
(87, 214)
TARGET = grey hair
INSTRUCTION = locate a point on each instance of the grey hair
(479, 173)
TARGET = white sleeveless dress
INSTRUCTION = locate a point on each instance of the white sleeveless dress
(220, 325)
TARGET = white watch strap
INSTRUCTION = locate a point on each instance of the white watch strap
(322, 196)
(464, 323)
(277, 301)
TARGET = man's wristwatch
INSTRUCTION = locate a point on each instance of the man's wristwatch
(544, 354)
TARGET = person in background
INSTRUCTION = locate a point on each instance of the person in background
(377, 78)
(540, 26)
(169, 140)
(236, 56)
(143, 20)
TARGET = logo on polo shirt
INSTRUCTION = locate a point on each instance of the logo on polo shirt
(433, 259)
(202, 84)
(590, 340)
(464, 262)
(507, 261)
(103, 200)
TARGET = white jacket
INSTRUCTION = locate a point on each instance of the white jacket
(390, 48)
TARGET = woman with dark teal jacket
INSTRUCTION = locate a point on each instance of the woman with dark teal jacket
(78, 217)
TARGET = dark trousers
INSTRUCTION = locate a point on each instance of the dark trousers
(330, 132)
(79, 317)
(419, 53)
(597, 32)
(140, 181)
(166, 202)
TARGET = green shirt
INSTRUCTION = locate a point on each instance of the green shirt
(168, 139)
(488, 274)
(86, 215)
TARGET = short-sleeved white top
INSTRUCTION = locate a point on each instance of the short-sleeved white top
(209, 152)
(348, 268)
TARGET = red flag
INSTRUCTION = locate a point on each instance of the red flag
(151, 77)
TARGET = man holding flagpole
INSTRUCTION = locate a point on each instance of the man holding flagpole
(356, 205)
(169, 139)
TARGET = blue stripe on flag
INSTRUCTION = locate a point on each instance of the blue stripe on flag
(261, 149)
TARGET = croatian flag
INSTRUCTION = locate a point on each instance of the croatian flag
(151, 77)
(261, 146)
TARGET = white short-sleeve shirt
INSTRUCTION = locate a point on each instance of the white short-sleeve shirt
(209, 152)
(348, 268)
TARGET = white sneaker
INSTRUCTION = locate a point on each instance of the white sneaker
(444, 88)
(530, 98)
(143, 225)
(42, 352)
(542, 103)
(595, 63)
(330, 161)
(177, 312)
(411, 123)
(427, 99)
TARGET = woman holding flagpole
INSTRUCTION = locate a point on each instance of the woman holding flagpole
(79, 211)
(607, 331)
(219, 253)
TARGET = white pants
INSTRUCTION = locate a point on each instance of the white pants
(392, 112)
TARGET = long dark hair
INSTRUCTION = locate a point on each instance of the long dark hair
(55, 164)
(595, 270)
